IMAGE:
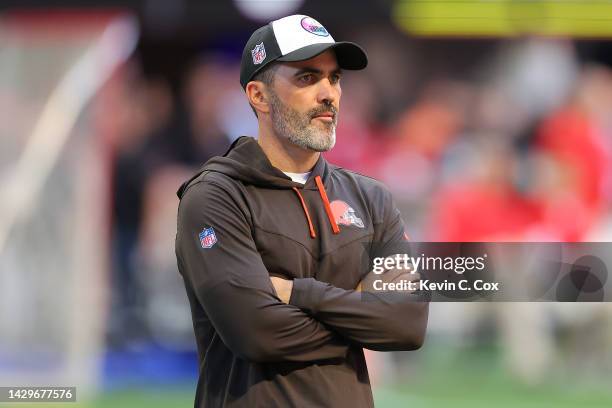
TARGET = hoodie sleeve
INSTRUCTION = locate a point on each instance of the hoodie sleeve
(382, 321)
(233, 286)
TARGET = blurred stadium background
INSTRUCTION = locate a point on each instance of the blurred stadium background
(490, 121)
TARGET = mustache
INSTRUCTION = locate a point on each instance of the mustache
(322, 109)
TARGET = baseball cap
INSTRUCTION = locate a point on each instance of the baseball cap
(295, 38)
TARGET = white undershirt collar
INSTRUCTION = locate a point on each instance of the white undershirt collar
(298, 177)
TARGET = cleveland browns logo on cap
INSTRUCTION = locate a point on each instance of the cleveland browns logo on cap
(344, 214)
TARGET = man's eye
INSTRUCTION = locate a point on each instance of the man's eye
(335, 79)
(306, 78)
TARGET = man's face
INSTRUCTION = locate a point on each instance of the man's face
(304, 101)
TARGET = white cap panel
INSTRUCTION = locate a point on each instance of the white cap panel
(298, 31)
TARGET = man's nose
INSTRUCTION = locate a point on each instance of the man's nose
(327, 94)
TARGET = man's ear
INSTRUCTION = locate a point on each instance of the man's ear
(256, 93)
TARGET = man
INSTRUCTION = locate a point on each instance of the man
(273, 241)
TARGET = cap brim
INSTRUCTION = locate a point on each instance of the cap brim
(349, 55)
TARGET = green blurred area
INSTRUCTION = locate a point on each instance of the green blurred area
(438, 376)
(448, 377)
(504, 18)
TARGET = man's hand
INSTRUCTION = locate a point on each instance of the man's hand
(283, 288)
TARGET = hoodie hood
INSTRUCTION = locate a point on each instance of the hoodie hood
(246, 161)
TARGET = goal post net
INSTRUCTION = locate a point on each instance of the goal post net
(54, 193)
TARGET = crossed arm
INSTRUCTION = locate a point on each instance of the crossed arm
(377, 321)
(284, 287)
(305, 319)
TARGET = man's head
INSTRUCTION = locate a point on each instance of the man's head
(291, 72)
(300, 100)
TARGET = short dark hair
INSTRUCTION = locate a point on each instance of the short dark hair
(266, 75)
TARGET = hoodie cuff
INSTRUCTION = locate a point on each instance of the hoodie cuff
(307, 294)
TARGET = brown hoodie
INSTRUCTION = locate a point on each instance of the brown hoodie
(240, 221)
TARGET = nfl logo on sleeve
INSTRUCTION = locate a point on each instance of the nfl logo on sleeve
(208, 238)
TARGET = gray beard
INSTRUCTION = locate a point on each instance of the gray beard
(298, 129)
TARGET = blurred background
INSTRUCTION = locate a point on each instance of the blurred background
(489, 121)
